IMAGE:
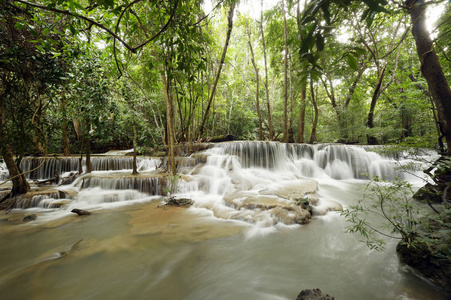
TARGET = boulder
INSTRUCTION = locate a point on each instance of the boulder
(314, 294)
(179, 201)
(431, 263)
(30, 218)
(80, 212)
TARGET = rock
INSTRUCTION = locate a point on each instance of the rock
(314, 294)
(80, 212)
(30, 218)
(4, 220)
(431, 264)
(291, 215)
(179, 201)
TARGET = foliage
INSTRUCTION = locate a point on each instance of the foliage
(394, 203)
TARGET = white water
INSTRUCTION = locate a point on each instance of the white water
(219, 248)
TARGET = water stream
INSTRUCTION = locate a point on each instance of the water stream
(229, 245)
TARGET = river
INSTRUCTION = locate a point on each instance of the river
(136, 248)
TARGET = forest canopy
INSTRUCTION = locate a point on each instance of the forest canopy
(98, 75)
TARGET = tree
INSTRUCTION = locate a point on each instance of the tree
(221, 63)
(29, 68)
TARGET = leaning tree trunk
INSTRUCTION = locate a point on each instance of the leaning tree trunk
(20, 183)
(371, 139)
(431, 68)
(218, 74)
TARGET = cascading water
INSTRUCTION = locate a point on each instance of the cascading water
(61, 165)
(251, 188)
(258, 182)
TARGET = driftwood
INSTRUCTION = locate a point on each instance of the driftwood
(54, 180)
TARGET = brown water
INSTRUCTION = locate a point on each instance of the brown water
(143, 251)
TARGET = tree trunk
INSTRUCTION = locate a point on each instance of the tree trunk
(80, 160)
(371, 139)
(20, 183)
(218, 74)
(169, 126)
(66, 150)
(313, 138)
(257, 101)
(135, 168)
(431, 68)
(285, 75)
(290, 119)
(268, 104)
(88, 155)
(301, 123)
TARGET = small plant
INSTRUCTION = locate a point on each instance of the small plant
(393, 201)
(171, 186)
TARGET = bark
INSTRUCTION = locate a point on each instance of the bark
(88, 155)
(431, 68)
(301, 123)
(351, 91)
(372, 140)
(135, 169)
(285, 76)
(169, 126)
(290, 119)
(66, 150)
(313, 138)
(268, 104)
(257, 100)
(20, 183)
(218, 74)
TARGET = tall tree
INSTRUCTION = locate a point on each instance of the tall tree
(268, 103)
(431, 68)
(257, 93)
(285, 74)
(221, 63)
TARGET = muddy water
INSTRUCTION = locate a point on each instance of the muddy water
(142, 251)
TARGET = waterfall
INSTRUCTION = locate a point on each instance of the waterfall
(335, 161)
(262, 183)
(147, 185)
(61, 165)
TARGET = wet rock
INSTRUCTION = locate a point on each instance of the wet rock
(430, 193)
(59, 204)
(30, 218)
(80, 212)
(69, 179)
(431, 263)
(179, 201)
(315, 294)
(291, 215)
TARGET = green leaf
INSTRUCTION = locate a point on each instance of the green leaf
(352, 61)
(319, 42)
